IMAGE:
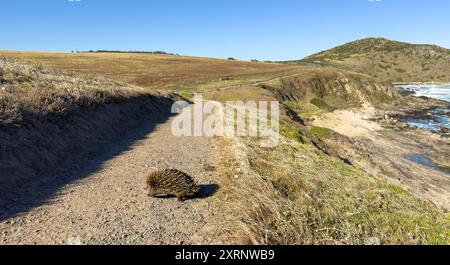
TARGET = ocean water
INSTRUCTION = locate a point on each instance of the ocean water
(441, 117)
(426, 161)
(432, 91)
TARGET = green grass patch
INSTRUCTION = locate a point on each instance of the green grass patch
(337, 102)
(321, 132)
(320, 103)
(306, 109)
(303, 196)
(384, 67)
(400, 70)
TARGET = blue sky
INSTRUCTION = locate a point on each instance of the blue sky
(245, 29)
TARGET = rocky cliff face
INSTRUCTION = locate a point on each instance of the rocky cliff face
(337, 89)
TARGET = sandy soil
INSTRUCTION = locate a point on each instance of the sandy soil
(108, 204)
(348, 123)
(383, 151)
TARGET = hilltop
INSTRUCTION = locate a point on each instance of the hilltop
(77, 146)
(388, 60)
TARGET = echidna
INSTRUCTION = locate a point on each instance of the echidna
(171, 182)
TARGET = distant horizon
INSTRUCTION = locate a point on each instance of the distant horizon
(200, 56)
(264, 30)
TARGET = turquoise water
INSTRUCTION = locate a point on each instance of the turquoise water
(441, 117)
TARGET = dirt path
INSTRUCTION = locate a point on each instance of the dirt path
(257, 82)
(109, 205)
(100, 199)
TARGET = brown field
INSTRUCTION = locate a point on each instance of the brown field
(158, 70)
(300, 194)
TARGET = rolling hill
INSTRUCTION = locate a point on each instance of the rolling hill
(388, 60)
(157, 71)
(79, 131)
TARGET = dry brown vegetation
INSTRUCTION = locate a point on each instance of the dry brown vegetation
(156, 70)
(295, 194)
(34, 92)
(49, 116)
(389, 60)
(291, 194)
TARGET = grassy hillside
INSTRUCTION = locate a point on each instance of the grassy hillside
(303, 195)
(48, 116)
(161, 71)
(32, 91)
(389, 60)
(300, 195)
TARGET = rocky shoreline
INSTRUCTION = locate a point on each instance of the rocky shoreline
(410, 107)
(381, 141)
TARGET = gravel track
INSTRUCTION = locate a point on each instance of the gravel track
(101, 198)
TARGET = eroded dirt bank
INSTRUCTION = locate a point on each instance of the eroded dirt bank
(101, 197)
(35, 149)
(361, 121)
(380, 144)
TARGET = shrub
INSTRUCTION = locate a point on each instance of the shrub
(318, 102)
(32, 91)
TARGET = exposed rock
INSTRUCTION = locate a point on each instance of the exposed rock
(351, 89)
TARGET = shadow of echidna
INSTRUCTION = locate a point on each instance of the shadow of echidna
(175, 183)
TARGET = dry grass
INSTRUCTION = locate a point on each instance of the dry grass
(36, 92)
(157, 70)
(301, 196)
(49, 117)
(296, 194)
(389, 60)
(291, 194)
